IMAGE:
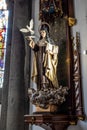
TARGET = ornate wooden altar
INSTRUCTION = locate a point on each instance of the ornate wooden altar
(72, 110)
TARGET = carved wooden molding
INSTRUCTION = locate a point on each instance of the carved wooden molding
(50, 121)
(77, 78)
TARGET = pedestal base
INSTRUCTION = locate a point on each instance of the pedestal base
(50, 121)
(51, 108)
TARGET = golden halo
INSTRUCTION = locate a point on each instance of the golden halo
(43, 23)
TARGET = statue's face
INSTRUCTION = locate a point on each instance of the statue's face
(43, 33)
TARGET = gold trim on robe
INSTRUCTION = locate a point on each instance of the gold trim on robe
(50, 63)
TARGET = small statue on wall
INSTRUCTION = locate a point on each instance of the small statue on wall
(45, 64)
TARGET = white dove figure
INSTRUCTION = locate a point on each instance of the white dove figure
(28, 28)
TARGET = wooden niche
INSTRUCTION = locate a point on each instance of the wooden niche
(60, 15)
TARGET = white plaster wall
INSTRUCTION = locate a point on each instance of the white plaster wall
(35, 16)
(81, 26)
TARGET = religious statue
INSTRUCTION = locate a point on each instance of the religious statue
(45, 64)
(45, 59)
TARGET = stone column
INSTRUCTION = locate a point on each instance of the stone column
(0, 94)
(16, 93)
(7, 69)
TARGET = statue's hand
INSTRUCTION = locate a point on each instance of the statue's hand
(29, 38)
(32, 44)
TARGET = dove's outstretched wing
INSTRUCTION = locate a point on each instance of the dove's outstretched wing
(31, 23)
(24, 30)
